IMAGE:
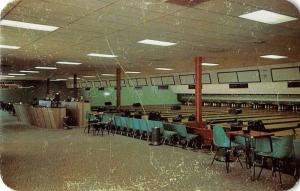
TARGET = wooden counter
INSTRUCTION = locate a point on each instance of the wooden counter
(78, 111)
(40, 116)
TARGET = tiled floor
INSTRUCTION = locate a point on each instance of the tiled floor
(47, 159)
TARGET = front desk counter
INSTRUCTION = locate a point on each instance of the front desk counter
(42, 117)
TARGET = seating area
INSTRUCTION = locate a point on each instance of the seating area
(171, 133)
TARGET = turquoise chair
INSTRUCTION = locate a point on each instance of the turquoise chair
(123, 127)
(91, 120)
(144, 128)
(118, 124)
(129, 125)
(136, 126)
(296, 144)
(107, 119)
(282, 147)
(169, 133)
(184, 135)
(221, 141)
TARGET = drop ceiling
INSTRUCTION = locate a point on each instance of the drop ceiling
(211, 29)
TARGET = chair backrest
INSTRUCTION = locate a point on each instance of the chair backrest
(144, 125)
(123, 121)
(129, 122)
(263, 144)
(136, 123)
(282, 146)
(220, 138)
(296, 144)
(181, 130)
(117, 120)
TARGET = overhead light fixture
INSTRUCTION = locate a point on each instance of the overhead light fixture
(166, 69)
(16, 74)
(71, 78)
(6, 76)
(68, 63)
(108, 74)
(132, 72)
(61, 79)
(102, 55)
(24, 25)
(9, 46)
(209, 64)
(273, 56)
(29, 71)
(267, 17)
(156, 42)
(45, 68)
(89, 76)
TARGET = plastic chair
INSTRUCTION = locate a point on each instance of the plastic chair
(184, 135)
(136, 126)
(144, 128)
(282, 148)
(221, 141)
(169, 132)
(296, 157)
(91, 120)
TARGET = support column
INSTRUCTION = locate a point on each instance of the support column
(198, 90)
(118, 88)
(75, 86)
(47, 87)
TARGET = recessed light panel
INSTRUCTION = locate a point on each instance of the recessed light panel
(6, 76)
(68, 63)
(156, 42)
(30, 71)
(32, 26)
(108, 74)
(102, 55)
(9, 46)
(16, 74)
(45, 68)
(166, 69)
(267, 17)
(209, 64)
(273, 56)
(89, 76)
(132, 72)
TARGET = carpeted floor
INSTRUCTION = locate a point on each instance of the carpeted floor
(47, 159)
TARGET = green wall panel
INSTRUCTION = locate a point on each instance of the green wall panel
(148, 95)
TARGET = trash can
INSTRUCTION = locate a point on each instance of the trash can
(155, 140)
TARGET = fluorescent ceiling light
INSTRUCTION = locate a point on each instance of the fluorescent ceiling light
(16, 74)
(68, 63)
(71, 78)
(89, 76)
(24, 25)
(163, 69)
(102, 55)
(5, 76)
(108, 74)
(156, 42)
(9, 47)
(30, 71)
(209, 64)
(131, 72)
(273, 56)
(267, 17)
(45, 68)
(61, 79)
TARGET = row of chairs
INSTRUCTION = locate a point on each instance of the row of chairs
(170, 133)
(143, 128)
(285, 150)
